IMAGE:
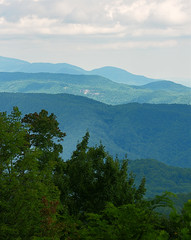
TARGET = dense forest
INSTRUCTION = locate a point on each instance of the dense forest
(90, 196)
(143, 131)
(95, 87)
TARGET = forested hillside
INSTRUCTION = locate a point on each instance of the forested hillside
(95, 87)
(161, 177)
(160, 132)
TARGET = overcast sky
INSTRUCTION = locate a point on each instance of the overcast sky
(147, 37)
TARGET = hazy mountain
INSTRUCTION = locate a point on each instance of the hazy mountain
(161, 132)
(121, 76)
(95, 87)
(52, 68)
(15, 65)
(115, 74)
(165, 86)
(11, 64)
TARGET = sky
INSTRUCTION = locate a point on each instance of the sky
(146, 37)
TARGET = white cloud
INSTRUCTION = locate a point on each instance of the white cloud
(141, 11)
(93, 25)
(137, 18)
(172, 11)
(2, 20)
(4, 2)
(35, 25)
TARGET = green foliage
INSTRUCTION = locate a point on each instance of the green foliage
(90, 196)
(44, 133)
(11, 138)
(183, 221)
(23, 185)
(180, 200)
(95, 87)
(94, 178)
(43, 129)
(178, 225)
(124, 222)
(143, 131)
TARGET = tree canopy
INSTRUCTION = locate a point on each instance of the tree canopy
(90, 196)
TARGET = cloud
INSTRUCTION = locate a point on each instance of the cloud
(116, 19)
(3, 2)
(91, 11)
(143, 11)
(33, 25)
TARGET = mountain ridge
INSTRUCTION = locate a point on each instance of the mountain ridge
(115, 74)
(160, 131)
(122, 76)
(93, 86)
(164, 84)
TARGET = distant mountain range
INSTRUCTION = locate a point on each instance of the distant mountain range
(115, 74)
(16, 65)
(142, 131)
(96, 87)
(121, 76)
(161, 132)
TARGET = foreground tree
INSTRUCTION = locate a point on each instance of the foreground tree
(23, 183)
(178, 225)
(126, 222)
(44, 134)
(94, 178)
(91, 196)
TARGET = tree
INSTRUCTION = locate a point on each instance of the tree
(12, 140)
(178, 225)
(125, 222)
(24, 180)
(44, 133)
(129, 221)
(43, 197)
(94, 178)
